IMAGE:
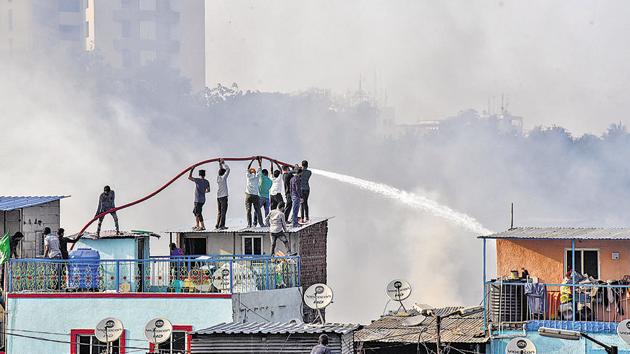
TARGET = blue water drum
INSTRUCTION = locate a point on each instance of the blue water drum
(83, 269)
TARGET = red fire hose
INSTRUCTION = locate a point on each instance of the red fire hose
(96, 217)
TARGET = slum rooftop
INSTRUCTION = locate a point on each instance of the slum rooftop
(292, 327)
(240, 225)
(562, 233)
(112, 234)
(409, 329)
(8, 203)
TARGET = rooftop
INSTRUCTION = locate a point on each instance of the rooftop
(562, 233)
(8, 203)
(111, 234)
(278, 328)
(408, 329)
(240, 225)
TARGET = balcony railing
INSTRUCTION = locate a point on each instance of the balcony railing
(558, 305)
(205, 274)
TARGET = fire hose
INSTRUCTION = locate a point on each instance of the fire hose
(151, 195)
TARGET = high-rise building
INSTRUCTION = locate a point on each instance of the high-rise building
(127, 34)
(27, 25)
(134, 33)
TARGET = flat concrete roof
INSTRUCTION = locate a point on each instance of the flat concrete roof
(240, 226)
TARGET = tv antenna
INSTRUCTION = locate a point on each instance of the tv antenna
(318, 297)
(399, 290)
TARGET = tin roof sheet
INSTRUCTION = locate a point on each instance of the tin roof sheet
(278, 328)
(8, 203)
(410, 329)
(562, 233)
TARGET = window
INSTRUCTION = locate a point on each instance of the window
(10, 19)
(69, 32)
(179, 343)
(125, 29)
(69, 5)
(146, 57)
(586, 261)
(83, 341)
(148, 30)
(195, 246)
(252, 245)
(149, 5)
(126, 58)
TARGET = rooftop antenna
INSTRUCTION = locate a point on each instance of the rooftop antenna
(512, 217)
(399, 290)
(318, 297)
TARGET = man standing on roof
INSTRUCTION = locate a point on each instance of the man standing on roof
(277, 228)
(222, 194)
(276, 191)
(202, 186)
(322, 347)
(287, 174)
(306, 190)
(106, 202)
(251, 194)
(264, 185)
(296, 195)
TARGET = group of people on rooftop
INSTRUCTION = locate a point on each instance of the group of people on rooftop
(262, 194)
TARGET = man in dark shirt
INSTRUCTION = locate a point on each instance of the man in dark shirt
(63, 243)
(106, 201)
(13, 243)
(287, 174)
(202, 186)
(296, 196)
(322, 347)
(306, 190)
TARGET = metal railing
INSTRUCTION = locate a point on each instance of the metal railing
(204, 274)
(517, 302)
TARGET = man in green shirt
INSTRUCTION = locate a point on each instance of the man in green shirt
(264, 185)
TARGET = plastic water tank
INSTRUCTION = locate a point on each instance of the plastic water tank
(83, 269)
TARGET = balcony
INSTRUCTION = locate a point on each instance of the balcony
(187, 274)
(587, 307)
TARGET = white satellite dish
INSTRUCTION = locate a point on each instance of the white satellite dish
(520, 345)
(398, 290)
(623, 330)
(318, 296)
(108, 330)
(221, 279)
(158, 330)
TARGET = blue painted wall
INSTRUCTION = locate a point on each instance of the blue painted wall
(61, 315)
(120, 248)
(546, 345)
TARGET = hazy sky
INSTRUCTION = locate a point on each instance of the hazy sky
(563, 63)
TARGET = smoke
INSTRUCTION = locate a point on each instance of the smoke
(73, 126)
(415, 201)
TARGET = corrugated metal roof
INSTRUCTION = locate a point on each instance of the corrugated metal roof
(398, 329)
(278, 328)
(8, 203)
(112, 234)
(562, 233)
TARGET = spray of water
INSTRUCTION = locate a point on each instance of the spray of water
(410, 199)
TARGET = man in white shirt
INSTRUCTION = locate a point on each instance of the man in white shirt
(277, 228)
(277, 187)
(251, 194)
(51, 245)
(222, 194)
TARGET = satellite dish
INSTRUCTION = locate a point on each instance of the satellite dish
(623, 330)
(221, 279)
(413, 321)
(520, 345)
(318, 296)
(108, 330)
(158, 330)
(398, 290)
